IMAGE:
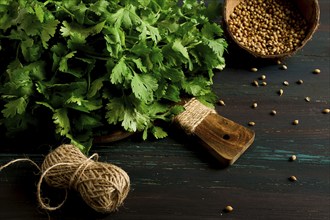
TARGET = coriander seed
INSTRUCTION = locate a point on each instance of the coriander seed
(263, 83)
(262, 77)
(254, 105)
(295, 122)
(273, 112)
(284, 67)
(293, 178)
(307, 99)
(251, 123)
(228, 208)
(326, 111)
(254, 69)
(293, 158)
(222, 103)
(286, 83)
(300, 81)
(255, 83)
(317, 71)
(280, 92)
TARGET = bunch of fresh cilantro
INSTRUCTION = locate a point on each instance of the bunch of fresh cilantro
(87, 65)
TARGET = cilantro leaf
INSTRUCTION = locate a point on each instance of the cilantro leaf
(48, 30)
(143, 87)
(14, 107)
(62, 121)
(197, 86)
(121, 72)
(158, 132)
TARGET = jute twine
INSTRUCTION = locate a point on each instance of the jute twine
(102, 186)
(195, 112)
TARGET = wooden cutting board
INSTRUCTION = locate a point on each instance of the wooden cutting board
(224, 138)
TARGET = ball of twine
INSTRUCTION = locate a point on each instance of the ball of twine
(102, 186)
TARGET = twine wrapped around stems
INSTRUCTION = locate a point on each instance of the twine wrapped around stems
(102, 186)
(195, 112)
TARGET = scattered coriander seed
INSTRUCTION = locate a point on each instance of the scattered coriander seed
(255, 83)
(222, 103)
(254, 69)
(251, 123)
(286, 83)
(263, 83)
(293, 178)
(326, 111)
(254, 105)
(273, 112)
(300, 81)
(262, 77)
(307, 99)
(280, 92)
(284, 67)
(317, 71)
(295, 122)
(293, 158)
(228, 208)
(279, 62)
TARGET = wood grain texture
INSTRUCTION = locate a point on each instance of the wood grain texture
(224, 138)
(177, 179)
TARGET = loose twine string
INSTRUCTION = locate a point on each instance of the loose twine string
(103, 186)
(195, 112)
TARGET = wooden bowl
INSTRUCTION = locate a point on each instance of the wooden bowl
(309, 10)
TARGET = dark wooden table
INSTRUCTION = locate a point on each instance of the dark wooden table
(175, 178)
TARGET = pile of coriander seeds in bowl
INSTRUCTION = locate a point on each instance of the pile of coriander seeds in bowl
(271, 28)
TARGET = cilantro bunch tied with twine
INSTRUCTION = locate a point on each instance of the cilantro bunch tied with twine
(83, 66)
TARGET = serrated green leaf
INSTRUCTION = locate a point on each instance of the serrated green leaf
(156, 109)
(68, 29)
(115, 41)
(48, 31)
(39, 12)
(30, 50)
(140, 49)
(134, 121)
(158, 132)
(121, 110)
(139, 65)
(100, 7)
(47, 105)
(80, 104)
(87, 121)
(64, 67)
(211, 31)
(14, 107)
(173, 74)
(62, 121)
(197, 86)
(95, 87)
(115, 109)
(148, 30)
(173, 93)
(29, 23)
(177, 109)
(125, 17)
(143, 87)
(178, 47)
(218, 46)
(121, 72)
